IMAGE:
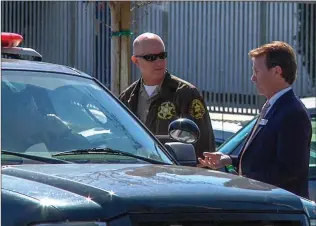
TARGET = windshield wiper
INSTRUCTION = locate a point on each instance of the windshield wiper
(108, 151)
(36, 157)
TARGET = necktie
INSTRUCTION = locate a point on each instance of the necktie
(262, 114)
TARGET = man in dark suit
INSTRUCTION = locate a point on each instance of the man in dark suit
(277, 149)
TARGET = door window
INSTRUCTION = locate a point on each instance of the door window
(312, 161)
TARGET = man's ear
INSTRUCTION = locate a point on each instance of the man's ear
(134, 60)
(278, 70)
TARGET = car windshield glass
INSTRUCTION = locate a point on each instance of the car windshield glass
(312, 161)
(230, 144)
(47, 113)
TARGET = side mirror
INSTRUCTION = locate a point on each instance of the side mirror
(184, 130)
(183, 153)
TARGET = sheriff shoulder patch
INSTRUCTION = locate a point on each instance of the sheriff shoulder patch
(197, 109)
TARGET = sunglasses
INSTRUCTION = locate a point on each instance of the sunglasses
(153, 57)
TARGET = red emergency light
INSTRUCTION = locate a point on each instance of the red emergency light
(10, 39)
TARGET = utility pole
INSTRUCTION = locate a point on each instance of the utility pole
(121, 18)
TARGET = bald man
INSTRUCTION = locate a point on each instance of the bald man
(158, 98)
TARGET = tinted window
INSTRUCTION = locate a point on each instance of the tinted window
(233, 144)
(312, 162)
(45, 113)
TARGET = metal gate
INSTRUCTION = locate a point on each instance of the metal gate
(208, 42)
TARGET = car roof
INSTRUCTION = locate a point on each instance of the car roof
(309, 102)
(228, 127)
(26, 65)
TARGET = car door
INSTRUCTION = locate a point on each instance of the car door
(312, 162)
(234, 144)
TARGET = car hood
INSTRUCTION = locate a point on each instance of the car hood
(109, 190)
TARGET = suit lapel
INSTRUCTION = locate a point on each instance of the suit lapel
(272, 111)
(248, 136)
(267, 117)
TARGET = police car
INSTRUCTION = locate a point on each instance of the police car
(73, 154)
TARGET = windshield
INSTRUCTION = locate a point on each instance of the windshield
(46, 113)
(313, 146)
(237, 139)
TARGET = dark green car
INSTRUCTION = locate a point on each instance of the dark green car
(233, 145)
(73, 155)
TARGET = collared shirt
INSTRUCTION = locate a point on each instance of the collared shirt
(144, 102)
(150, 89)
(276, 96)
(175, 99)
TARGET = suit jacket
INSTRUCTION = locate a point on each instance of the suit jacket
(280, 150)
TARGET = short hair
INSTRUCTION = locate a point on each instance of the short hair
(278, 54)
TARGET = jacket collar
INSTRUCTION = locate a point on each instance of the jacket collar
(280, 102)
(167, 87)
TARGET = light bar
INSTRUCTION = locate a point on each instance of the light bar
(10, 39)
(21, 51)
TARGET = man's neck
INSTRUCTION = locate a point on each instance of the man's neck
(152, 82)
(272, 93)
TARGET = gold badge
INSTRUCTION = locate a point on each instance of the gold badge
(197, 109)
(166, 110)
